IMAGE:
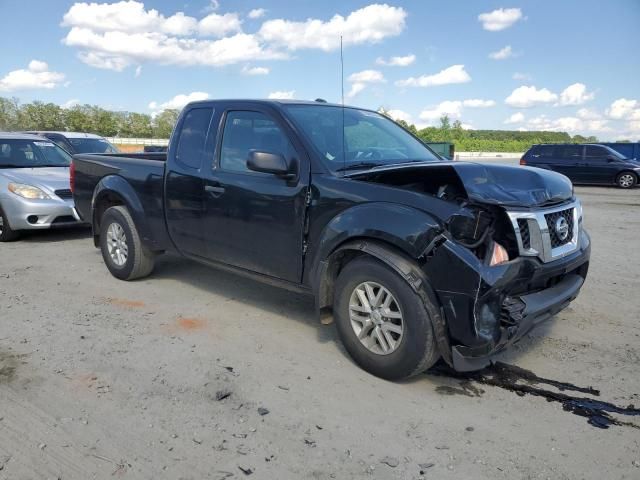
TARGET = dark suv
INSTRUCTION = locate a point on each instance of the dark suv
(591, 163)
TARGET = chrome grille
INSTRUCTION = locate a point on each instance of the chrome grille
(552, 218)
(537, 235)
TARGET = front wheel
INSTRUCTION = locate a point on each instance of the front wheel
(626, 180)
(7, 234)
(124, 254)
(382, 322)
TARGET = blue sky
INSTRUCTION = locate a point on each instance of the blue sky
(570, 65)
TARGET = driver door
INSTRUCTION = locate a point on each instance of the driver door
(255, 220)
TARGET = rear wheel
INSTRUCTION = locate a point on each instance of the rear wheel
(7, 234)
(382, 321)
(124, 254)
(626, 180)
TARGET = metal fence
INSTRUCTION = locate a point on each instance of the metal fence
(138, 141)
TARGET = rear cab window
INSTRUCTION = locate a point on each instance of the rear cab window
(193, 136)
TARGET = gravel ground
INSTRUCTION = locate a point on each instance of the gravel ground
(194, 373)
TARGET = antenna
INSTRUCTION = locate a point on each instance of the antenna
(341, 71)
(344, 153)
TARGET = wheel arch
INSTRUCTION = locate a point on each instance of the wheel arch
(399, 261)
(113, 191)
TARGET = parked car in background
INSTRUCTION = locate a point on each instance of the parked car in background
(417, 257)
(34, 185)
(626, 149)
(78, 142)
(587, 163)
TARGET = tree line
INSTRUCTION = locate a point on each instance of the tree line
(15, 116)
(37, 115)
(489, 140)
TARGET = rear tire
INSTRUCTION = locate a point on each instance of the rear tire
(410, 342)
(7, 234)
(627, 180)
(124, 254)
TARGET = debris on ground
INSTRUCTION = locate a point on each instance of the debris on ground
(391, 461)
(222, 394)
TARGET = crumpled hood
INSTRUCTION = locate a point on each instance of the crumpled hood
(504, 185)
(46, 178)
(513, 186)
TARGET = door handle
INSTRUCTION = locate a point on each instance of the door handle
(216, 191)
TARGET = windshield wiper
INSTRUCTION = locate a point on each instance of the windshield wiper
(356, 166)
(13, 166)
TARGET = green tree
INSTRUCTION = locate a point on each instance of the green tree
(164, 122)
(9, 113)
(41, 116)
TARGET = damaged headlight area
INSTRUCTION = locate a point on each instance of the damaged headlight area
(478, 230)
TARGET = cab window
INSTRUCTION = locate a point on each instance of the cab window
(245, 131)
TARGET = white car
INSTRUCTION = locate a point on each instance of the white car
(34, 185)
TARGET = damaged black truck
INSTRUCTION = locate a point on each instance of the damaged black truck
(416, 258)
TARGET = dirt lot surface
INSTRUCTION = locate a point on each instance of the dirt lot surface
(194, 373)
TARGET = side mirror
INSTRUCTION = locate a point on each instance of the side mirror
(611, 158)
(266, 162)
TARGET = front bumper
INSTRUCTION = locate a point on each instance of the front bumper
(25, 214)
(487, 309)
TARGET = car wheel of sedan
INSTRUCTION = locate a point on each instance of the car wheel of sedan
(382, 321)
(626, 180)
(7, 234)
(122, 251)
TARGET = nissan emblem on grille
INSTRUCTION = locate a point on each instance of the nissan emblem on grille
(562, 228)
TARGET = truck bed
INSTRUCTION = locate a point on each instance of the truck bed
(141, 174)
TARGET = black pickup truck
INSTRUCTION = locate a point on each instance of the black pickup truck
(415, 257)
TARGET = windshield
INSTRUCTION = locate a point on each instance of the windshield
(91, 145)
(19, 153)
(370, 139)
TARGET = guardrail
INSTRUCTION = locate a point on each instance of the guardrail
(138, 141)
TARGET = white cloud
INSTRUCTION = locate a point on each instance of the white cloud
(138, 71)
(572, 125)
(117, 35)
(467, 126)
(35, 76)
(528, 96)
(70, 103)
(282, 95)
(517, 117)
(257, 13)
(575, 94)
(624, 109)
(500, 19)
(522, 77)
(452, 108)
(219, 25)
(478, 103)
(118, 50)
(179, 101)
(586, 114)
(370, 24)
(396, 61)
(450, 75)
(399, 115)
(367, 76)
(247, 70)
(502, 54)
(360, 80)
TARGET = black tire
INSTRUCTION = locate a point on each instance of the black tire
(139, 260)
(627, 180)
(417, 350)
(7, 234)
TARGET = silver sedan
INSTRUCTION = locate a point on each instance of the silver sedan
(34, 185)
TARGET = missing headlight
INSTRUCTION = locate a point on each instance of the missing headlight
(470, 227)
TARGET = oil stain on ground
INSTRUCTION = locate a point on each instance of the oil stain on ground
(524, 382)
(8, 366)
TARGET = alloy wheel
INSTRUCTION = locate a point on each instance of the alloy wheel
(117, 244)
(376, 318)
(626, 180)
